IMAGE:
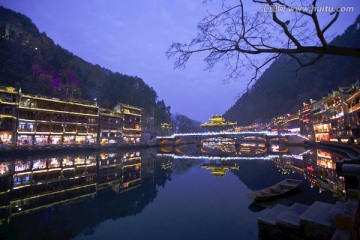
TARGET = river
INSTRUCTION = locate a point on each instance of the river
(168, 193)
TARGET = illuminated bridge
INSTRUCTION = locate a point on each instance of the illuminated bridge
(181, 138)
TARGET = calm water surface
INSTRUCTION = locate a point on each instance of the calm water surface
(185, 193)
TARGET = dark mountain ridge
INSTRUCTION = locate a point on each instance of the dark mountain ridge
(31, 60)
(279, 90)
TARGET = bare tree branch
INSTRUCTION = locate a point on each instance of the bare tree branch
(237, 37)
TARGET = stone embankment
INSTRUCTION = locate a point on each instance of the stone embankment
(74, 148)
(339, 221)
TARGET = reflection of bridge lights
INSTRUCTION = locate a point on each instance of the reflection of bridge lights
(269, 157)
(275, 148)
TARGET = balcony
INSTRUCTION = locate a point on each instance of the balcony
(354, 108)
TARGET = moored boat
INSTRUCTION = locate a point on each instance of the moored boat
(275, 191)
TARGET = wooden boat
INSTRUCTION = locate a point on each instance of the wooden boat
(275, 191)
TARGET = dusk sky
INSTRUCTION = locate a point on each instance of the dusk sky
(131, 37)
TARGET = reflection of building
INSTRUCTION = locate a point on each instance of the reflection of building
(319, 169)
(252, 148)
(131, 130)
(219, 145)
(246, 146)
(278, 147)
(120, 170)
(110, 127)
(326, 173)
(219, 168)
(131, 170)
(8, 113)
(43, 121)
(166, 165)
(29, 185)
(109, 169)
(218, 123)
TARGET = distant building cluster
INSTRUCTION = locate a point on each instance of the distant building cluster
(27, 120)
(335, 117)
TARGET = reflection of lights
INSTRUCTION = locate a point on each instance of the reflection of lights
(269, 157)
(230, 133)
(275, 148)
(54, 162)
(323, 154)
(310, 168)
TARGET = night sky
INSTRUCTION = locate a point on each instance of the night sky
(131, 37)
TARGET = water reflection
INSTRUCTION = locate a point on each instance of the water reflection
(219, 167)
(28, 185)
(317, 166)
(80, 191)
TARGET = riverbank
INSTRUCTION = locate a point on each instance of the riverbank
(320, 220)
(348, 151)
(24, 151)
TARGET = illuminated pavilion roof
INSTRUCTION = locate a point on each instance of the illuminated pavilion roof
(217, 121)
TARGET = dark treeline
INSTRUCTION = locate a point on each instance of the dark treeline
(280, 90)
(31, 60)
(183, 124)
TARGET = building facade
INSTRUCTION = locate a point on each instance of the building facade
(305, 120)
(110, 127)
(353, 104)
(321, 121)
(131, 122)
(9, 100)
(47, 121)
(338, 113)
(33, 120)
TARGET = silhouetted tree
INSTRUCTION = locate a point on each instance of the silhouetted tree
(237, 35)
